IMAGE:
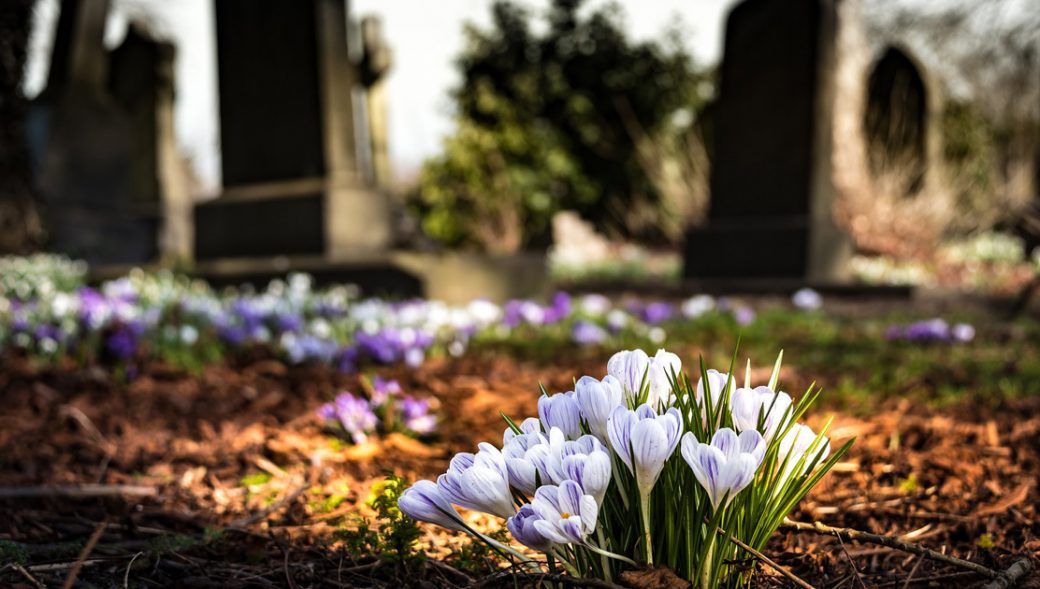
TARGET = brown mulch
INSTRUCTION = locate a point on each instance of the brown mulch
(961, 481)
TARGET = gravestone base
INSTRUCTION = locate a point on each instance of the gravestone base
(766, 250)
(310, 221)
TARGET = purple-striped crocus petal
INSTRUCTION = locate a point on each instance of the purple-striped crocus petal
(650, 452)
(715, 386)
(750, 405)
(524, 531)
(425, 502)
(629, 367)
(560, 410)
(751, 442)
(572, 528)
(663, 365)
(591, 471)
(551, 531)
(522, 475)
(673, 427)
(546, 502)
(596, 400)
(485, 489)
(619, 428)
(726, 440)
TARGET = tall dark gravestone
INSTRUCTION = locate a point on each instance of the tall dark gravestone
(771, 184)
(291, 181)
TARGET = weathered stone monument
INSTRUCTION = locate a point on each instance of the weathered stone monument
(292, 183)
(101, 133)
(376, 59)
(772, 178)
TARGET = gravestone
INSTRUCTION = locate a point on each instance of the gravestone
(95, 135)
(376, 59)
(772, 186)
(901, 121)
(292, 184)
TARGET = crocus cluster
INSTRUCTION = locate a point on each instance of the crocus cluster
(930, 331)
(387, 409)
(640, 466)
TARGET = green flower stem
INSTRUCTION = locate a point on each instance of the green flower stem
(706, 569)
(606, 563)
(644, 508)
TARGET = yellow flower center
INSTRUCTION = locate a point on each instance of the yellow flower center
(565, 515)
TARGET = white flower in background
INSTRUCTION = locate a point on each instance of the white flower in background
(479, 481)
(698, 305)
(962, 332)
(594, 304)
(807, 299)
(749, 405)
(726, 465)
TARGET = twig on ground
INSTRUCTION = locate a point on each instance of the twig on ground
(856, 535)
(78, 491)
(1009, 577)
(769, 562)
(28, 576)
(266, 513)
(70, 580)
(852, 563)
(913, 571)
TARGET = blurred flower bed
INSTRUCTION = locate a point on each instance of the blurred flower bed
(988, 262)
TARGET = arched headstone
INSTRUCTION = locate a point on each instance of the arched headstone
(897, 120)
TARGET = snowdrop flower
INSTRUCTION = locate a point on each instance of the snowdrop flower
(479, 482)
(560, 410)
(749, 405)
(727, 465)
(644, 441)
(567, 515)
(424, 501)
(697, 305)
(807, 299)
(596, 401)
(522, 527)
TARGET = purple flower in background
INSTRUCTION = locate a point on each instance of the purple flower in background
(744, 315)
(586, 333)
(353, 413)
(655, 313)
(559, 308)
(123, 341)
(931, 330)
(416, 416)
(383, 389)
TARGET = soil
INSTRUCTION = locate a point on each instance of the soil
(962, 480)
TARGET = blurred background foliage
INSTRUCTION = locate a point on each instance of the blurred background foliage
(572, 115)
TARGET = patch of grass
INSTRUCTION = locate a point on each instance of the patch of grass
(13, 552)
(255, 479)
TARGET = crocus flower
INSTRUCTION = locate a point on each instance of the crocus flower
(633, 367)
(794, 446)
(416, 416)
(963, 332)
(714, 388)
(744, 315)
(727, 465)
(426, 502)
(560, 410)
(697, 305)
(749, 405)
(531, 425)
(383, 389)
(644, 441)
(567, 515)
(522, 527)
(596, 401)
(587, 333)
(479, 481)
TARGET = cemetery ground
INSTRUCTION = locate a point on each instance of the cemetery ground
(226, 477)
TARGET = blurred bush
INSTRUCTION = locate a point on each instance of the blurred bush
(580, 118)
